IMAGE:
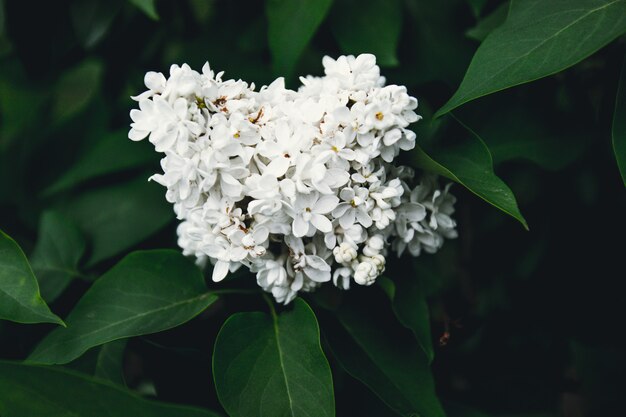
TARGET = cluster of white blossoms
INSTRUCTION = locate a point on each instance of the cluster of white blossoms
(298, 186)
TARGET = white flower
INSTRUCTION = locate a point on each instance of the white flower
(298, 186)
(308, 212)
(365, 273)
(345, 253)
(355, 206)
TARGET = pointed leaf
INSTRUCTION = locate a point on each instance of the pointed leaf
(619, 124)
(471, 165)
(539, 38)
(146, 6)
(60, 246)
(20, 300)
(374, 27)
(291, 25)
(56, 392)
(373, 348)
(146, 292)
(267, 366)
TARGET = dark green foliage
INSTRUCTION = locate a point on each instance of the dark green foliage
(275, 363)
(501, 322)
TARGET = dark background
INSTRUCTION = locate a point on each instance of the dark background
(535, 318)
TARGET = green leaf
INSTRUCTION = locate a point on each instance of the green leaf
(370, 346)
(20, 300)
(76, 88)
(91, 19)
(410, 307)
(471, 165)
(146, 6)
(110, 361)
(117, 217)
(539, 38)
(267, 366)
(619, 124)
(60, 246)
(370, 26)
(489, 23)
(291, 25)
(146, 292)
(112, 153)
(55, 392)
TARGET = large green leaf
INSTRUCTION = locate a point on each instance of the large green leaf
(60, 246)
(539, 38)
(20, 300)
(146, 292)
(112, 153)
(372, 347)
(268, 366)
(370, 26)
(619, 124)
(291, 25)
(34, 391)
(117, 217)
(471, 165)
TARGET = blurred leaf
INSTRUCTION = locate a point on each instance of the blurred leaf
(20, 108)
(2, 18)
(477, 6)
(291, 25)
(411, 309)
(539, 38)
(118, 217)
(112, 153)
(439, 52)
(75, 89)
(471, 165)
(368, 26)
(146, 292)
(601, 372)
(110, 361)
(489, 23)
(20, 300)
(515, 132)
(59, 247)
(146, 6)
(91, 19)
(273, 366)
(55, 392)
(382, 355)
(619, 124)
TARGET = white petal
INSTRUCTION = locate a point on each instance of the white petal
(325, 204)
(220, 270)
(321, 223)
(299, 226)
(278, 167)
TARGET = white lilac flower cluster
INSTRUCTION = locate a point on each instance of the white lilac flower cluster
(298, 186)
